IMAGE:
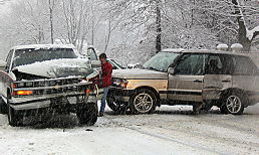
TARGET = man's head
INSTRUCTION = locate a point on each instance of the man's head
(103, 58)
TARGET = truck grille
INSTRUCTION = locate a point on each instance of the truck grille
(53, 86)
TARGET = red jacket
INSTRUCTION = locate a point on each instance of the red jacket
(106, 80)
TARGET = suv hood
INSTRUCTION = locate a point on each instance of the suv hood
(139, 74)
(56, 68)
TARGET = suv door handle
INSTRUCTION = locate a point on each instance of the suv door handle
(198, 81)
(226, 81)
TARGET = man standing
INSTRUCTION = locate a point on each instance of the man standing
(106, 80)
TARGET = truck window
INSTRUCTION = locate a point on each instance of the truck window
(191, 64)
(91, 54)
(29, 56)
(244, 66)
(8, 61)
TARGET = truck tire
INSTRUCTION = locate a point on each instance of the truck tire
(144, 101)
(15, 118)
(87, 113)
(3, 107)
(234, 103)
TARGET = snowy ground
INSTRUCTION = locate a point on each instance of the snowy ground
(171, 130)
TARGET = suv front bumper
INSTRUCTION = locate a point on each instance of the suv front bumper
(122, 95)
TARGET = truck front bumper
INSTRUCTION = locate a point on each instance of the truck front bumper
(31, 103)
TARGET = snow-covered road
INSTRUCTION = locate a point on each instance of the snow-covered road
(171, 130)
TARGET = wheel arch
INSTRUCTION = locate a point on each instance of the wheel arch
(151, 89)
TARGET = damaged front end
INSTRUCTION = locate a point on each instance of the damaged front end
(39, 93)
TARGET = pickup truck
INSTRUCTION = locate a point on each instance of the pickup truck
(50, 77)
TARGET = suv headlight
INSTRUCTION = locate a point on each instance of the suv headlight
(120, 83)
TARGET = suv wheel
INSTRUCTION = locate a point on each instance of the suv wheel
(87, 113)
(115, 105)
(233, 103)
(144, 101)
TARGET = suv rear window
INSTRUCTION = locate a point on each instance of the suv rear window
(244, 66)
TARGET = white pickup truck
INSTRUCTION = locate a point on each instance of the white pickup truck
(47, 79)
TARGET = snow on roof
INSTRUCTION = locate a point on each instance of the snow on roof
(173, 50)
(237, 47)
(222, 47)
(46, 46)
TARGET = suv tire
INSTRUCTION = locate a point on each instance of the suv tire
(234, 103)
(115, 105)
(144, 101)
(87, 113)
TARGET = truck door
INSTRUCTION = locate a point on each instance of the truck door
(218, 75)
(187, 82)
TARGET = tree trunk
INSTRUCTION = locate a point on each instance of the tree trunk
(51, 21)
(242, 31)
(158, 27)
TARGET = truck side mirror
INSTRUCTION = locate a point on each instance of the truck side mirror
(171, 70)
(2, 65)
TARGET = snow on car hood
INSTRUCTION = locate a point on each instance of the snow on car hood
(57, 68)
(139, 74)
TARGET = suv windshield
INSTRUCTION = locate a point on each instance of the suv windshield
(29, 56)
(161, 61)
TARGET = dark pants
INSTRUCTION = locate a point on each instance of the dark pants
(104, 98)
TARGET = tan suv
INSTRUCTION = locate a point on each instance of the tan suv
(202, 78)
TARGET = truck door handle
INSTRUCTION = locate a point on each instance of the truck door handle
(226, 81)
(198, 81)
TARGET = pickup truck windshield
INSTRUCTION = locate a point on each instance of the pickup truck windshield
(161, 61)
(29, 56)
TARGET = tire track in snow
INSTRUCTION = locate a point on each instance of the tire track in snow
(195, 146)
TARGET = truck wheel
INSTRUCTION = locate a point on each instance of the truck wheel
(15, 118)
(234, 103)
(3, 107)
(87, 113)
(144, 101)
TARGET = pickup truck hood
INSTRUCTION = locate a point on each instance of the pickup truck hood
(139, 74)
(57, 68)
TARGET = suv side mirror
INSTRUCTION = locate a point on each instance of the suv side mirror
(2, 65)
(171, 70)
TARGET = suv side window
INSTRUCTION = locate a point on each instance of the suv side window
(244, 66)
(191, 64)
(8, 61)
(220, 64)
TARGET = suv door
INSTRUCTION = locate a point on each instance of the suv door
(218, 75)
(187, 82)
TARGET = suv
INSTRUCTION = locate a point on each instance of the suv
(47, 77)
(202, 78)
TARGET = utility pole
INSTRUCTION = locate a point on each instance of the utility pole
(51, 6)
